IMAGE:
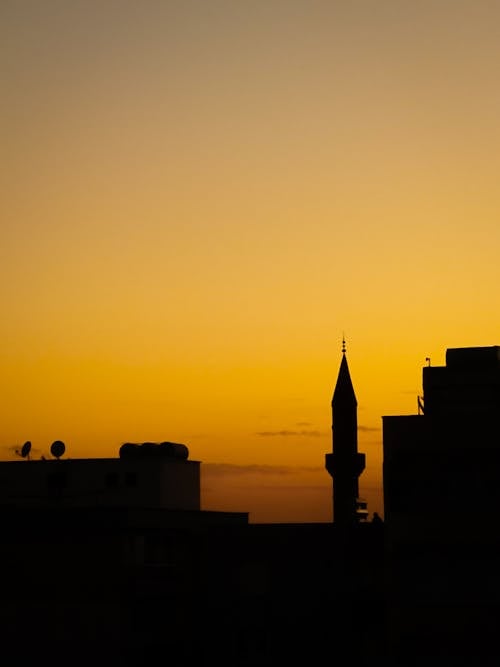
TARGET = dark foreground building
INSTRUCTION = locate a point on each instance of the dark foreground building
(113, 561)
(441, 479)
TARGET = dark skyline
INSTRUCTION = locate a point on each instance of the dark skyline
(121, 557)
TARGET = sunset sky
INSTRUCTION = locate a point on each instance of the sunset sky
(201, 197)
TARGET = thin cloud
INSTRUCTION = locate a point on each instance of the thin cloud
(226, 469)
(296, 487)
(368, 429)
(286, 433)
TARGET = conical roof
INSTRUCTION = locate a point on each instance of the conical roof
(344, 391)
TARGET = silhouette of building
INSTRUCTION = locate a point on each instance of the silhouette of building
(114, 558)
(345, 464)
(441, 474)
(111, 560)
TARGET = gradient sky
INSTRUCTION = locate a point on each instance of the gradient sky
(200, 197)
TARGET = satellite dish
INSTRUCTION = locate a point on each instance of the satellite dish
(57, 448)
(26, 449)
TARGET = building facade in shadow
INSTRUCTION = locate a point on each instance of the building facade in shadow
(441, 474)
(114, 561)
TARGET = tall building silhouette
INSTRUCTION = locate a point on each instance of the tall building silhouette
(442, 465)
(345, 464)
(441, 475)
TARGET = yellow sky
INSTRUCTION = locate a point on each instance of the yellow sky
(199, 199)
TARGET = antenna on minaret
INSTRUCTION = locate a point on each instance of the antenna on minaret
(343, 344)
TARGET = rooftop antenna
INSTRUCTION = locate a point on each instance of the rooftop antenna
(25, 450)
(57, 448)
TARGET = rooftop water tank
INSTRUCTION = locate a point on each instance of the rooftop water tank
(172, 450)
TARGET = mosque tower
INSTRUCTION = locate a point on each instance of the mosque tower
(345, 464)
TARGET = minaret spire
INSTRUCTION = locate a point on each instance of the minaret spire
(345, 464)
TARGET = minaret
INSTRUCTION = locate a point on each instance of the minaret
(345, 464)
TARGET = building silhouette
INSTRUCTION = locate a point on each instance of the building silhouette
(115, 557)
(441, 475)
(114, 560)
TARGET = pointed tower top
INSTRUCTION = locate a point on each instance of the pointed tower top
(344, 391)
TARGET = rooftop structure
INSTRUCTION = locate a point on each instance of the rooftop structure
(441, 474)
(145, 475)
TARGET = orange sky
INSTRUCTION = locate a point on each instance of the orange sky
(200, 198)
